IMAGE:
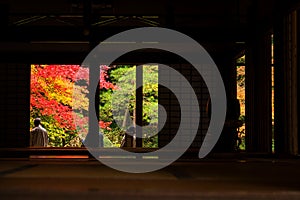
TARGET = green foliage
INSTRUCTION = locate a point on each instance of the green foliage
(124, 79)
(241, 60)
(107, 142)
(240, 76)
(58, 137)
(51, 100)
(113, 137)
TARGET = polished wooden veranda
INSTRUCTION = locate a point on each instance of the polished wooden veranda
(230, 177)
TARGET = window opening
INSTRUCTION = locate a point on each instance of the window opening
(51, 100)
(240, 79)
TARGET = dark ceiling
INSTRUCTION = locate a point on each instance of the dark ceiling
(218, 23)
(226, 16)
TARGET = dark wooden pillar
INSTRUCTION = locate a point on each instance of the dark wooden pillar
(14, 105)
(139, 106)
(279, 136)
(258, 89)
(285, 72)
(93, 137)
(227, 66)
(298, 63)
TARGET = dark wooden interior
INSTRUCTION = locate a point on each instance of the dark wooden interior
(64, 31)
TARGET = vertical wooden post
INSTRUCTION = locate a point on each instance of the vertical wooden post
(258, 87)
(94, 74)
(285, 74)
(278, 79)
(139, 106)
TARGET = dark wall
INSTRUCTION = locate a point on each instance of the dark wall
(14, 104)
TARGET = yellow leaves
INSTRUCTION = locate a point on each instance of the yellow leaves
(241, 88)
(80, 98)
(61, 91)
(57, 88)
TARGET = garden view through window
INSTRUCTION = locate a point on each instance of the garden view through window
(241, 96)
(51, 100)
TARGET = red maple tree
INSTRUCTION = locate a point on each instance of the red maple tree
(52, 90)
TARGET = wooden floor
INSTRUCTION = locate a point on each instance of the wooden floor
(215, 178)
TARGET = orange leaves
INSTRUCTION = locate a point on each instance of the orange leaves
(52, 92)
